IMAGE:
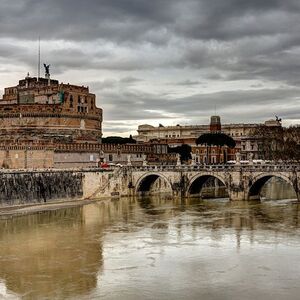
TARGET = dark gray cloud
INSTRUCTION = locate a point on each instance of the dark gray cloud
(142, 20)
(151, 60)
(121, 20)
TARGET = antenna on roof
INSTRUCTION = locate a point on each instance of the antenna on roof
(215, 109)
(39, 59)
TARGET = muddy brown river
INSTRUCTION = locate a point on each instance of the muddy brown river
(154, 248)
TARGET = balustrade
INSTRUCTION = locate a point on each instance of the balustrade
(219, 168)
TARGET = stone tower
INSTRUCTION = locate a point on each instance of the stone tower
(215, 124)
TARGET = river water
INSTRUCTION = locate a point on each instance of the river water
(154, 248)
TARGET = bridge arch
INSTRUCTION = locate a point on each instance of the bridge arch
(146, 182)
(256, 185)
(197, 182)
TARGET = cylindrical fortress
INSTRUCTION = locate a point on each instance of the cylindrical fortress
(48, 111)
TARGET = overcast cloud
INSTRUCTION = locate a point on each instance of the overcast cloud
(162, 61)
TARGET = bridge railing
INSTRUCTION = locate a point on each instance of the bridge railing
(217, 168)
(171, 168)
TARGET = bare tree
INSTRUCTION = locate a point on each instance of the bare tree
(278, 143)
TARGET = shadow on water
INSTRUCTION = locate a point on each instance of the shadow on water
(277, 189)
(208, 187)
(154, 204)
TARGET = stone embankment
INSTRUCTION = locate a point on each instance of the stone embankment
(19, 187)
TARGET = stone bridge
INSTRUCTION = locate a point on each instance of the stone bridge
(242, 182)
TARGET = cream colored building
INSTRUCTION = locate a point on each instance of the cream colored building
(148, 132)
(179, 134)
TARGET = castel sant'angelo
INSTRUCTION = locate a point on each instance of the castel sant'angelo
(48, 124)
(40, 116)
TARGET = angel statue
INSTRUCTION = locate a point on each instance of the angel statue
(47, 71)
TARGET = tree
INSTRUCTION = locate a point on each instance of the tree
(118, 140)
(184, 151)
(216, 139)
(278, 143)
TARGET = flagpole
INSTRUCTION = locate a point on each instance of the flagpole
(39, 59)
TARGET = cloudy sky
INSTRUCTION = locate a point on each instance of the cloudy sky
(162, 61)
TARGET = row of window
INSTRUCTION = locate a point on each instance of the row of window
(251, 146)
(81, 100)
(110, 156)
(236, 134)
(10, 91)
(172, 135)
(82, 109)
(192, 134)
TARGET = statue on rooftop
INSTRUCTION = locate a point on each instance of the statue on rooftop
(47, 70)
(129, 160)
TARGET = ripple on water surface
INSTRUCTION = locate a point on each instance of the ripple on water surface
(153, 248)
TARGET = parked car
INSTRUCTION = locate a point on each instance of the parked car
(104, 165)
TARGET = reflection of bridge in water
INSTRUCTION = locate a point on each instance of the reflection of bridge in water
(242, 182)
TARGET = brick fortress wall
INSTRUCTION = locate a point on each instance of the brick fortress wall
(71, 155)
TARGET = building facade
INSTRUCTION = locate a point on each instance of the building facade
(243, 134)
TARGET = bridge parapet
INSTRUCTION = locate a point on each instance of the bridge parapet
(245, 168)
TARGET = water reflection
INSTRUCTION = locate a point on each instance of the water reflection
(276, 188)
(154, 248)
(50, 255)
